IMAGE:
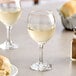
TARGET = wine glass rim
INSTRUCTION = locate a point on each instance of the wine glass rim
(43, 12)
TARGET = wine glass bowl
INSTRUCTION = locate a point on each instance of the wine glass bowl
(9, 13)
(41, 27)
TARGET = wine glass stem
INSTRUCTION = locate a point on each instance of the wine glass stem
(8, 34)
(41, 53)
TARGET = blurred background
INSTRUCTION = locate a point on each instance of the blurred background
(31, 2)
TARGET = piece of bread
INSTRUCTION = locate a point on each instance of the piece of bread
(69, 8)
(5, 66)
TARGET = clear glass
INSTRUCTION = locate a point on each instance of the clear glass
(10, 11)
(41, 27)
(14, 70)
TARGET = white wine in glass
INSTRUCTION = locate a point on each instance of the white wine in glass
(9, 16)
(41, 27)
(41, 35)
(10, 12)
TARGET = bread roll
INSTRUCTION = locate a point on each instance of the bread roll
(5, 66)
(69, 8)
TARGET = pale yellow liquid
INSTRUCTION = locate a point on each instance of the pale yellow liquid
(8, 16)
(42, 35)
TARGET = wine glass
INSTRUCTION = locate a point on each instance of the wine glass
(10, 11)
(41, 27)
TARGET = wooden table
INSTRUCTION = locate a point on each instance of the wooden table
(56, 51)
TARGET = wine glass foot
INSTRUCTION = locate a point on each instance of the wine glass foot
(41, 67)
(8, 46)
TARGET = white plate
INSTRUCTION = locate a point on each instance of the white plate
(14, 70)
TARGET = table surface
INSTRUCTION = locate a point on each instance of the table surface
(56, 51)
